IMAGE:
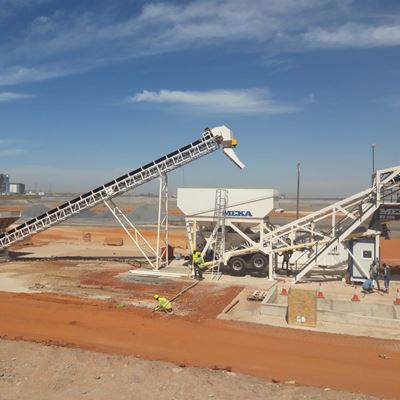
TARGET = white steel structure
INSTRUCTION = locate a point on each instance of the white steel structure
(162, 221)
(344, 217)
(243, 217)
(211, 140)
(311, 238)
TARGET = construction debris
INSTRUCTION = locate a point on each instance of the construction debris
(258, 295)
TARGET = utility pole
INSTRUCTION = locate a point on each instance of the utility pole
(298, 191)
(373, 161)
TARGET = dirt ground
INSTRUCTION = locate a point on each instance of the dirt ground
(70, 235)
(339, 362)
(74, 234)
(390, 252)
(81, 374)
(111, 282)
(93, 304)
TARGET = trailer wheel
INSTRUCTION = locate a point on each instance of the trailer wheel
(237, 265)
(259, 262)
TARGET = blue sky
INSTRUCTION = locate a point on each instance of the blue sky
(92, 89)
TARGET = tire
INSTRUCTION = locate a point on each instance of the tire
(259, 262)
(237, 265)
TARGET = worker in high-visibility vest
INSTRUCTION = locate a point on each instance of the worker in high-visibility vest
(198, 264)
(163, 304)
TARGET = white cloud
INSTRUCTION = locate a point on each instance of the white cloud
(10, 7)
(355, 35)
(244, 101)
(4, 142)
(20, 74)
(11, 152)
(65, 42)
(12, 96)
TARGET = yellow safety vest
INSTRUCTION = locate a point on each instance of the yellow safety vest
(164, 303)
(197, 258)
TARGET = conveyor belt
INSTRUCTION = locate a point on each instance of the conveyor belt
(209, 142)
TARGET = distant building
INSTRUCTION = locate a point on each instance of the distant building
(10, 188)
(17, 188)
(4, 183)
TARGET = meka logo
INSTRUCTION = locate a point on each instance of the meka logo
(235, 213)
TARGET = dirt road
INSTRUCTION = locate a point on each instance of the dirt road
(340, 362)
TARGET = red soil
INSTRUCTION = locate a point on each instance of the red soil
(177, 237)
(13, 208)
(390, 251)
(100, 209)
(309, 358)
(202, 301)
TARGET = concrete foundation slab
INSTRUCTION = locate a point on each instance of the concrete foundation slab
(333, 316)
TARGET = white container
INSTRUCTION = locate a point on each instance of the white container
(242, 203)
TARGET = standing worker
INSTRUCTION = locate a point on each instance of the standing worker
(374, 273)
(386, 276)
(198, 264)
(385, 231)
(163, 304)
(286, 258)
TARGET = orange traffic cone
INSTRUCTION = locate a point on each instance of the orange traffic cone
(284, 291)
(320, 293)
(397, 301)
(355, 297)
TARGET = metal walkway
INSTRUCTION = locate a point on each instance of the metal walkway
(345, 217)
(317, 234)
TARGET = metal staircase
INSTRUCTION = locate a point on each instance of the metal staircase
(342, 232)
(221, 203)
(346, 216)
(210, 141)
(318, 233)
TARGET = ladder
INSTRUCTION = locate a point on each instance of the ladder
(210, 141)
(221, 202)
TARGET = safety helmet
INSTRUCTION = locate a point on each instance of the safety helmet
(156, 296)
